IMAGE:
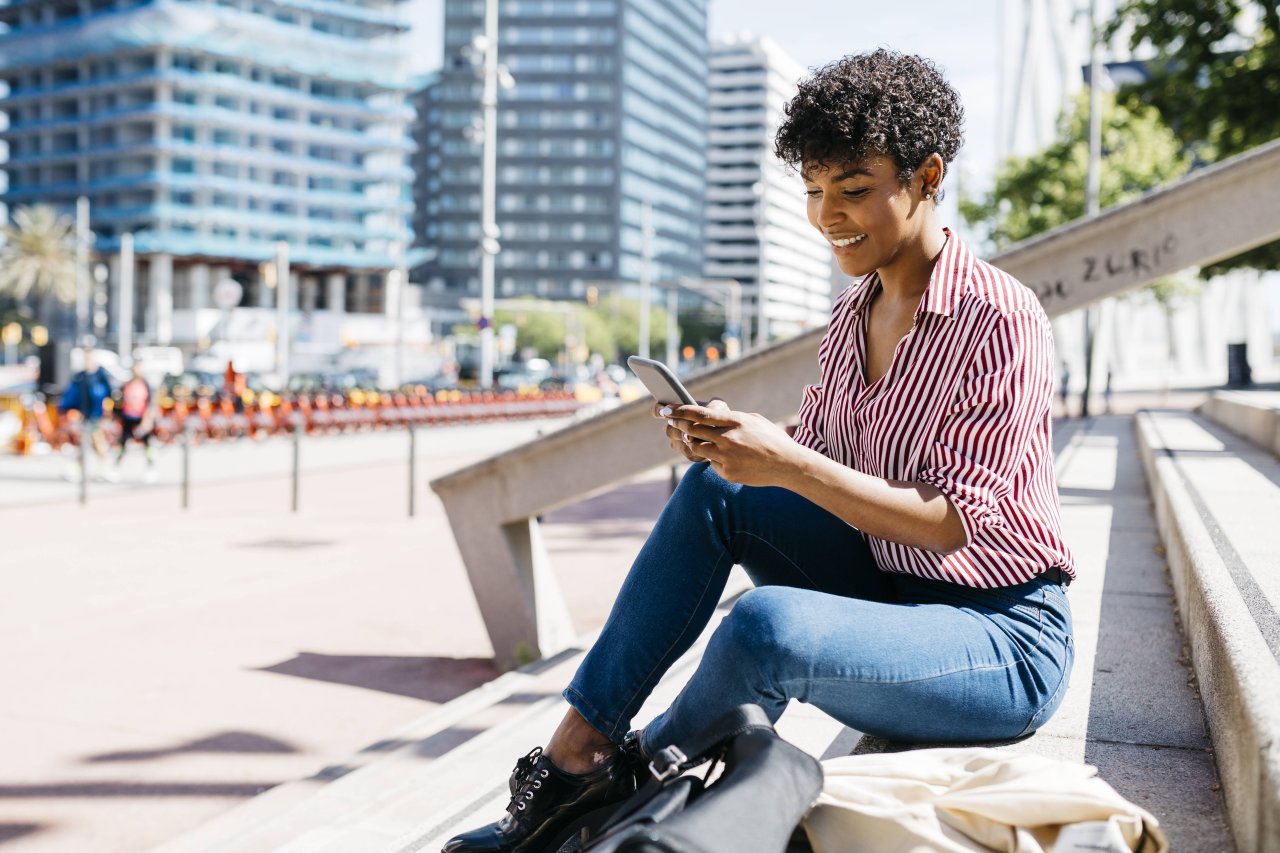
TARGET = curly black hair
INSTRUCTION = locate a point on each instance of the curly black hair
(869, 104)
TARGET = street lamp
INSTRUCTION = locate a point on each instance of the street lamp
(760, 190)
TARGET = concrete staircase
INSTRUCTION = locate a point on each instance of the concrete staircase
(1215, 483)
(1133, 708)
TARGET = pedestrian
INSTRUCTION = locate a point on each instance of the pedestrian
(1107, 392)
(85, 393)
(136, 413)
(1064, 389)
(905, 540)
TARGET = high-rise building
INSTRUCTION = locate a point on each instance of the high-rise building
(212, 131)
(757, 229)
(606, 120)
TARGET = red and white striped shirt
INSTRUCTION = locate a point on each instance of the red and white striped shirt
(964, 407)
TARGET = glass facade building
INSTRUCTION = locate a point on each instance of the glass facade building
(757, 227)
(607, 115)
(211, 130)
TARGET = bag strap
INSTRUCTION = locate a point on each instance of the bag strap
(673, 760)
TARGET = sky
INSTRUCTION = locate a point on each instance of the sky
(960, 38)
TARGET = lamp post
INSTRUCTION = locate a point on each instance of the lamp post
(761, 191)
(82, 268)
(1093, 183)
(283, 299)
(646, 274)
(125, 335)
(493, 75)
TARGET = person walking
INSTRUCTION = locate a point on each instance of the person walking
(86, 393)
(136, 413)
(905, 540)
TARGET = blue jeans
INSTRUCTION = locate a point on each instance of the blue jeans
(888, 654)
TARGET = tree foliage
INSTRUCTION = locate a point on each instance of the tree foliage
(1044, 190)
(1215, 79)
(623, 318)
(38, 254)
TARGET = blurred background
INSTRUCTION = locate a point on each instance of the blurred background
(300, 192)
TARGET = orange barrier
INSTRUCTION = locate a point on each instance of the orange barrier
(207, 418)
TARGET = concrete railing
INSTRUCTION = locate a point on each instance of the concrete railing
(493, 505)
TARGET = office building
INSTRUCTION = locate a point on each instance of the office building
(757, 230)
(606, 120)
(212, 131)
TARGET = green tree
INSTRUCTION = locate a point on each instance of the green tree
(1037, 193)
(38, 255)
(1215, 78)
(1044, 190)
(542, 325)
(623, 318)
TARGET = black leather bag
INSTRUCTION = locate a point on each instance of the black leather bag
(753, 806)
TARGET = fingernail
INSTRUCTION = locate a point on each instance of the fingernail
(664, 411)
(671, 422)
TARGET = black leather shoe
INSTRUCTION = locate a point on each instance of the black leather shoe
(548, 806)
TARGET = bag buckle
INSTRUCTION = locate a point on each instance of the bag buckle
(669, 759)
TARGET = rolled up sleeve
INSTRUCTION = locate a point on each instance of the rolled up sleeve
(985, 434)
(809, 432)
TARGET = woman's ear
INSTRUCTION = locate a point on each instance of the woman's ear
(931, 172)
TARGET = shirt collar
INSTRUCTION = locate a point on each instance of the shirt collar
(950, 281)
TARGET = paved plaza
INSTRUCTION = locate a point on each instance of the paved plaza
(172, 664)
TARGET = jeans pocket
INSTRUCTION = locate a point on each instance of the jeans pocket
(1051, 704)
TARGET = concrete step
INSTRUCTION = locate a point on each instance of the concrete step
(1253, 415)
(1129, 709)
(1217, 501)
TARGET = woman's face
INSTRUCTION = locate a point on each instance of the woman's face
(864, 211)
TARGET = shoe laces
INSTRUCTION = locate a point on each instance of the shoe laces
(526, 778)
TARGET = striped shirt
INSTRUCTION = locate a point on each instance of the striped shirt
(964, 407)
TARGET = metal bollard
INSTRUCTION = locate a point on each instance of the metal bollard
(84, 462)
(413, 470)
(297, 459)
(186, 469)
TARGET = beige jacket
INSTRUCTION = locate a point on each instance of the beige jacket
(974, 799)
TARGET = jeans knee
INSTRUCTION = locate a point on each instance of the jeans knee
(766, 628)
(702, 481)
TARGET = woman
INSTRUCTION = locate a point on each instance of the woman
(905, 542)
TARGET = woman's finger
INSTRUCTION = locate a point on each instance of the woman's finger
(704, 415)
(702, 431)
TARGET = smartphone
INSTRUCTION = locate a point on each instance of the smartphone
(660, 381)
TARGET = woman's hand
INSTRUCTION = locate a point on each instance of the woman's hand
(678, 440)
(742, 447)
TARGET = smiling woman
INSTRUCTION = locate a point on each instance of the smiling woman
(905, 541)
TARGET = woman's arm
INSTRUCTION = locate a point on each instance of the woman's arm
(752, 450)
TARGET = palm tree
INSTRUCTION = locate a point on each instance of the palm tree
(38, 255)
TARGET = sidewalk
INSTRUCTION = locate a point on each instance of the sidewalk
(175, 664)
